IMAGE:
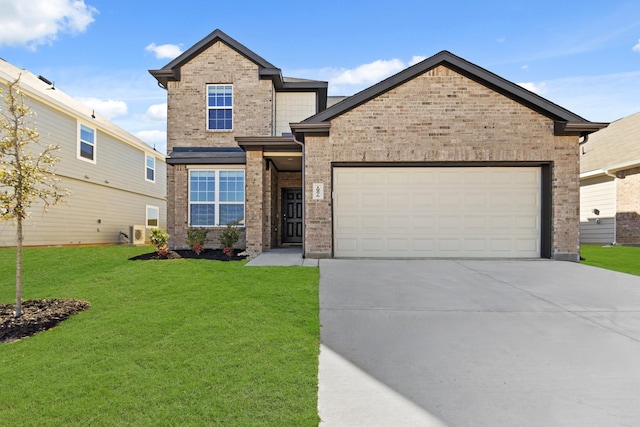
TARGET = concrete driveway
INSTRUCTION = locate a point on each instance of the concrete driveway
(478, 343)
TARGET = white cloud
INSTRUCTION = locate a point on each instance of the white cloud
(164, 50)
(36, 22)
(539, 88)
(108, 108)
(416, 58)
(636, 48)
(155, 138)
(157, 113)
(501, 39)
(347, 81)
(524, 67)
(369, 73)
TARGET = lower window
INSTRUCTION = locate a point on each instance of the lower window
(216, 197)
(153, 216)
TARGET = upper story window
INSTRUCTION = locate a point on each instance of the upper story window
(219, 107)
(150, 168)
(86, 143)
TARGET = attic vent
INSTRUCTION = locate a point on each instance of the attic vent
(44, 79)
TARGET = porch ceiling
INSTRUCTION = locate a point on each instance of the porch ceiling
(287, 162)
(280, 152)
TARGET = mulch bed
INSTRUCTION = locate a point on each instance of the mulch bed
(37, 316)
(211, 254)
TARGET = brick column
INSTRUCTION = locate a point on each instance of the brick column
(254, 200)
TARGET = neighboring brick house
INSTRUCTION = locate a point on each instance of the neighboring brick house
(443, 159)
(610, 184)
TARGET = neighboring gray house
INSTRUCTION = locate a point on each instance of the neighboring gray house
(115, 180)
(610, 184)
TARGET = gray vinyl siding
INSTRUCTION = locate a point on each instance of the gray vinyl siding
(598, 194)
(92, 214)
(113, 190)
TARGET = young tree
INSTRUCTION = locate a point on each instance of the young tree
(25, 176)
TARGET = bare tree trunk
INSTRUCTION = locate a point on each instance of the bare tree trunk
(18, 312)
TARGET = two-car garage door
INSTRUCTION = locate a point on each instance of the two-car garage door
(405, 212)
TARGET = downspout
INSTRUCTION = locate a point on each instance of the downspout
(304, 195)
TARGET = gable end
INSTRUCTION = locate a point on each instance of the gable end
(567, 123)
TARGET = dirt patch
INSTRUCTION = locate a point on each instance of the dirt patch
(211, 254)
(37, 316)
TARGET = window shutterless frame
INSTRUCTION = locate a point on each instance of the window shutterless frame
(153, 216)
(220, 107)
(86, 143)
(216, 197)
(150, 168)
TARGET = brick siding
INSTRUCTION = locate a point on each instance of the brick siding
(442, 116)
(186, 117)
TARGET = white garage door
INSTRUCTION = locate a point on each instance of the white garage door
(437, 212)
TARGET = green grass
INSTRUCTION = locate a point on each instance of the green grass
(165, 343)
(619, 258)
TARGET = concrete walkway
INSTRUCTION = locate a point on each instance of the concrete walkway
(478, 343)
(290, 256)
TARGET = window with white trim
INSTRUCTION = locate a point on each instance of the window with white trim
(150, 168)
(216, 197)
(153, 216)
(219, 107)
(86, 143)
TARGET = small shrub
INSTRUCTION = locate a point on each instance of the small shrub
(159, 239)
(196, 238)
(228, 238)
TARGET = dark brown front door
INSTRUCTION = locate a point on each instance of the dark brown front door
(291, 215)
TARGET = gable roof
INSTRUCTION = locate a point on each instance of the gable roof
(615, 148)
(171, 71)
(566, 122)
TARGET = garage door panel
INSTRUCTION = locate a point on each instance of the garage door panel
(475, 178)
(475, 223)
(449, 177)
(398, 245)
(478, 246)
(526, 245)
(346, 245)
(372, 200)
(437, 212)
(399, 222)
(423, 199)
(421, 223)
(398, 178)
(449, 200)
(423, 177)
(372, 222)
(371, 178)
(374, 244)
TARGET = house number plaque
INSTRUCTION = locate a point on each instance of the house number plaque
(318, 191)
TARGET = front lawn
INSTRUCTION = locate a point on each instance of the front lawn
(618, 258)
(174, 342)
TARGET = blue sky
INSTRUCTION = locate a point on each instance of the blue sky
(583, 55)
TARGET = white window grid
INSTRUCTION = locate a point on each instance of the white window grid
(216, 199)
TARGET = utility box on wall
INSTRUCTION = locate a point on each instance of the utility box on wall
(137, 235)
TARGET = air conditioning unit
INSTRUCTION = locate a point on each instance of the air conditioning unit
(136, 234)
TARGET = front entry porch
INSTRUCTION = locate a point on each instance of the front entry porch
(274, 196)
